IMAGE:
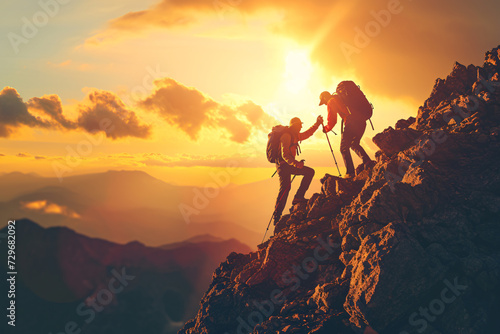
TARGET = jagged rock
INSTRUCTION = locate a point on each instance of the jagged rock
(418, 232)
(380, 156)
(457, 83)
(329, 296)
(392, 141)
(385, 261)
(275, 264)
(325, 206)
(404, 123)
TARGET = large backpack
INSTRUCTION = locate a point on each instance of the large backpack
(273, 142)
(355, 100)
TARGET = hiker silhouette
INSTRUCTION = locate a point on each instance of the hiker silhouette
(351, 105)
(287, 164)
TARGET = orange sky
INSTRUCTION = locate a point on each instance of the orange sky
(180, 88)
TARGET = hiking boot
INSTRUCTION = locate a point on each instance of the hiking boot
(299, 200)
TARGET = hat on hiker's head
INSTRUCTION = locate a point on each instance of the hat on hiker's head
(324, 97)
(295, 120)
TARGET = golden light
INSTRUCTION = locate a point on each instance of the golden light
(298, 70)
(35, 205)
(50, 208)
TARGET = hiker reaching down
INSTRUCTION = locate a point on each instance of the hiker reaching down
(354, 114)
(287, 163)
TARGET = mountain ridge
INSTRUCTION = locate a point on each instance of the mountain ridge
(408, 246)
(59, 271)
(121, 199)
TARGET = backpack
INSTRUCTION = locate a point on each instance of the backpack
(355, 101)
(273, 142)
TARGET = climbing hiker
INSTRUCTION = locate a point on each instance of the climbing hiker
(283, 146)
(352, 106)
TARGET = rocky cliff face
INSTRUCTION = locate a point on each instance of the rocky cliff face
(408, 246)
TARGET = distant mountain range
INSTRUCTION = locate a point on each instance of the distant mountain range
(103, 287)
(122, 206)
(199, 239)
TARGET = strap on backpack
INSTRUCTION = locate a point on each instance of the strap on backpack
(297, 149)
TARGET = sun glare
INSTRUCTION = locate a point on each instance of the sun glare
(298, 70)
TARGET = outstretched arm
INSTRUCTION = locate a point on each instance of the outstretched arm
(309, 132)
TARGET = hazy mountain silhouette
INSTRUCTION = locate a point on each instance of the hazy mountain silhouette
(199, 239)
(59, 269)
(122, 206)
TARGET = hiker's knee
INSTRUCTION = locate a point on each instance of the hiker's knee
(309, 172)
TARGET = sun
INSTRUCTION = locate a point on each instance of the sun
(298, 70)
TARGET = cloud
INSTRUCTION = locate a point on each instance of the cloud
(381, 42)
(106, 112)
(14, 113)
(27, 155)
(166, 14)
(71, 65)
(51, 105)
(186, 108)
(101, 112)
(61, 64)
(50, 208)
(190, 110)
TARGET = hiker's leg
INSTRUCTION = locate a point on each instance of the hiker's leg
(359, 130)
(308, 173)
(345, 145)
(284, 176)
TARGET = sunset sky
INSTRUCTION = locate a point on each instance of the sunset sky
(179, 88)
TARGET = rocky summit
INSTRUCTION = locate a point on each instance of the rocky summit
(410, 245)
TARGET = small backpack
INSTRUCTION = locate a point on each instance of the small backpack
(273, 142)
(355, 101)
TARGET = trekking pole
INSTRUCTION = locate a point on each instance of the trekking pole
(333, 132)
(331, 149)
(276, 206)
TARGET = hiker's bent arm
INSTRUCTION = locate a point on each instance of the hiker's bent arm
(332, 117)
(286, 153)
